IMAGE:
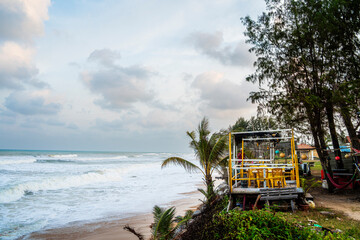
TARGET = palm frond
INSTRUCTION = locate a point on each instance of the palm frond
(221, 164)
(217, 151)
(188, 166)
(162, 225)
(193, 143)
(203, 129)
(189, 213)
(157, 212)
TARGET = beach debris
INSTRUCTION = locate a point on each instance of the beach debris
(132, 230)
(327, 213)
(311, 204)
(223, 189)
(312, 221)
(202, 208)
(340, 219)
(196, 213)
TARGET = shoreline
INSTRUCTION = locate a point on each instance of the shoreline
(113, 229)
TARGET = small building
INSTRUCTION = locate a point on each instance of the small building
(307, 150)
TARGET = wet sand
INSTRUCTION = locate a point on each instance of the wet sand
(111, 230)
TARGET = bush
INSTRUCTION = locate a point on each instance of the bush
(258, 225)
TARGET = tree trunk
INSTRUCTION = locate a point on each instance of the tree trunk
(330, 115)
(210, 187)
(315, 126)
(349, 126)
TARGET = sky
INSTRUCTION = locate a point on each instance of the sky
(113, 75)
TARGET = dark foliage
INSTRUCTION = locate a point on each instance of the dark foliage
(195, 230)
(259, 224)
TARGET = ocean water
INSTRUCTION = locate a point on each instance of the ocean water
(48, 189)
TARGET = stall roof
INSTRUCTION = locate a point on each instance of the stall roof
(259, 134)
(303, 146)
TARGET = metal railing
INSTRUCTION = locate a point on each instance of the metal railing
(260, 172)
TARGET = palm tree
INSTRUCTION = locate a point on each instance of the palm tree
(208, 149)
(165, 224)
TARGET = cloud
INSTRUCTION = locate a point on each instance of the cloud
(20, 22)
(22, 19)
(32, 103)
(220, 93)
(106, 57)
(16, 67)
(72, 126)
(55, 123)
(212, 45)
(114, 125)
(7, 117)
(120, 87)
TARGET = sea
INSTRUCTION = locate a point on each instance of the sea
(49, 189)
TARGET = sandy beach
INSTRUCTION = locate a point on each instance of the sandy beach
(111, 230)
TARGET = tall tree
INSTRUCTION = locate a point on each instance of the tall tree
(301, 57)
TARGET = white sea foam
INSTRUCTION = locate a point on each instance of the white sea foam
(106, 175)
(7, 160)
(63, 155)
(76, 158)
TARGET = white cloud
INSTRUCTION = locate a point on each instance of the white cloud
(17, 67)
(105, 56)
(212, 45)
(220, 93)
(120, 87)
(32, 103)
(22, 19)
(20, 22)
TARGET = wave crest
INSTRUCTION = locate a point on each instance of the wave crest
(16, 192)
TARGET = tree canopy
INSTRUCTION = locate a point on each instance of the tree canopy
(307, 64)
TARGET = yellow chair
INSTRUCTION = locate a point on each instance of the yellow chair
(252, 175)
(261, 178)
(277, 178)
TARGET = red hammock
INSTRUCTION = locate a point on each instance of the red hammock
(338, 186)
(356, 151)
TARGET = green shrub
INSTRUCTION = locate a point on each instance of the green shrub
(259, 225)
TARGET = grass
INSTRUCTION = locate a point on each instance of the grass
(348, 226)
(317, 166)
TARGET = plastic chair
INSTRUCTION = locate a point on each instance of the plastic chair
(252, 175)
(277, 178)
(261, 178)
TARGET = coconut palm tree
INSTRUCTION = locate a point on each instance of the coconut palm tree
(165, 223)
(208, 149)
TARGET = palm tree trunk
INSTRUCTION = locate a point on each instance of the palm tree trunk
(210, 186)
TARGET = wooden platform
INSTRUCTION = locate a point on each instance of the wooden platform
(257, 191)
(278, 194)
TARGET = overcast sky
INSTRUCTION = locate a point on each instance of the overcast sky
(121, 75)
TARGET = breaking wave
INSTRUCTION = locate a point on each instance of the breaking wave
(63, 155)
(16, 160)
(18, 191)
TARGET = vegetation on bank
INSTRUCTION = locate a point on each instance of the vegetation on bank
(263, 224)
